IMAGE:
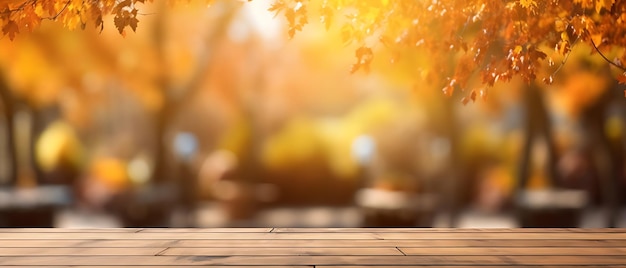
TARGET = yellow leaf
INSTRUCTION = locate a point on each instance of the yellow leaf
(597, 39)
(528, 4)
(559, 25)
(606, 4)
(564, 37)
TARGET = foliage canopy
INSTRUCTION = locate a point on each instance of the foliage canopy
(466, 40)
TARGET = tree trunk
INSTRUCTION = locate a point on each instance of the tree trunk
(9, 112)
(548, 214)
(458, 183)
(606, 159)
(537, 123)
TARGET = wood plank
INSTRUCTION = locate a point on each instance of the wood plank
(246, 236)
(488, 235)
(69, 230)
(206, 230)
(186, 235)
(517, 251)
(315, 260)
(449, 230)
(205, 243)
(466, 266)
(402, 243)
(170, 266)
(108, 243)
(283, 251)
(313, 230)
(74, 251)
(335, 266)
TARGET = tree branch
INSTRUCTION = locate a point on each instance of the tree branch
(603, 56)
(59, 13)
(565, 58)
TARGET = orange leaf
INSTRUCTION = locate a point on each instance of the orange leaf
(622, 78)
(483, 94)
(10, 29)
(548, 80)
(448, 90)
(604, 4)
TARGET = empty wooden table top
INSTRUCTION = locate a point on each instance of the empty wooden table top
(307, 247)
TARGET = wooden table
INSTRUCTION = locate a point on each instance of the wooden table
(285, 247)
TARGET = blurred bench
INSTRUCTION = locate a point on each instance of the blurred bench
(32, 207)
(551, 208)
(382, 208)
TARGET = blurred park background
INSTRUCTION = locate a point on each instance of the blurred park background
(213, 117)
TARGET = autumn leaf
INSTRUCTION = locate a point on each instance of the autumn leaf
(99, 23)
(559, 25)
(125, 18)
(120, 23)
(622, 78)
(604, 4)
(448, 90)
(30, 19)
(326, 16)
(364, 56)
(10, 29)
(528, 4)
(464, 100)
(276, 7)
(548, 80)
(483, 94)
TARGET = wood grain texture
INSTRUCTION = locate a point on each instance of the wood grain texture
(217, 243)
(498, 251)
(171, 266)
(206, 230)
(73, 251)
(187, 235)
(283, 251)
(301, 247)
(314, 260)
(69, 230)
(402, 243)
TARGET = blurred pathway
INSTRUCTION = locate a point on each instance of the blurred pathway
(210, 215)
